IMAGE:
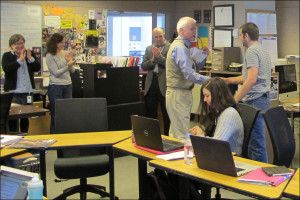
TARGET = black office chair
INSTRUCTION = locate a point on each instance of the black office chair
(248, 114)
(119, 115)
(5, 102)
(75, 116)
(281, 135)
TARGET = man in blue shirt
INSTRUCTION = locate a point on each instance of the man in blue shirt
(181, 66)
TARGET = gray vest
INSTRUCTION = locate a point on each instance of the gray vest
(175, 78)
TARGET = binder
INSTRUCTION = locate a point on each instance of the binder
(259, 177)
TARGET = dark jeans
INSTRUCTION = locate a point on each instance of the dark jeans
(152, 100)
(257, 149)
(20, 98)
(57, 92)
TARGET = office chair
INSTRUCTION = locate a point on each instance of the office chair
(248, 114)
(119, 115)
(75, 116)
(281, 135)
(5, 103)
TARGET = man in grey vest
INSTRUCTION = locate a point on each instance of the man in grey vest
(155, 86)
(181, 75)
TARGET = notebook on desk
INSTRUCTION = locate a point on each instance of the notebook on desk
(215, 155)
(147, 135)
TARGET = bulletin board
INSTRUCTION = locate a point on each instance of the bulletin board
(24, 19)
(264, 19)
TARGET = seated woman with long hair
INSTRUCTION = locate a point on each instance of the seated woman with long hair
(218, 115)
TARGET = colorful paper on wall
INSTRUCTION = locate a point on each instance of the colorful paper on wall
(203, 31)
(202, 42)
(65, 24)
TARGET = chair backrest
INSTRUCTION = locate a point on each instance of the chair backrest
(79, 115)
(248, 114)
(119, 116)
(281, 135)
(5, 103)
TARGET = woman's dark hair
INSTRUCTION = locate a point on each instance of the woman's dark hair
(53, 41)
(221, 98)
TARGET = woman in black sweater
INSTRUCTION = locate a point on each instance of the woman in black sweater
(19, 66)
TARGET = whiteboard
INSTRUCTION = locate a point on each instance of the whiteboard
(266, 22)
(270, 44)
(23, 19)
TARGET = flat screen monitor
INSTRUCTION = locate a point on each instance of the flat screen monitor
(287, 78)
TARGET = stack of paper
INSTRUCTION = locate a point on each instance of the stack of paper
(172, 156)
(9, 139)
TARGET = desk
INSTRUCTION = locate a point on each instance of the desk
(5, 153)
(25, 111)
(292, 190)
(91, 139)
(128, 148)
(292, 112)
(220, 180)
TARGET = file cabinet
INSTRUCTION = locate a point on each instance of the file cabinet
(222, 57)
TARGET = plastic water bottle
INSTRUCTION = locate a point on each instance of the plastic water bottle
(35, 188)
(188, 150)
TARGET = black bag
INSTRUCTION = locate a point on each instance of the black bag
(164, 186)
(161, 186)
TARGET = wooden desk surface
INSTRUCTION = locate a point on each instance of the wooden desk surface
(84, 139)
(292, 190)
(25, 111)
(5, 152)
(220, 180)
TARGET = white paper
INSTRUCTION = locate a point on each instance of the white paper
(34, 11)
(172, 156)
(270, 43)
(266, 22)
(91, 14)
(223, 16)
(52, 21)
(222, 38)
(197, 54)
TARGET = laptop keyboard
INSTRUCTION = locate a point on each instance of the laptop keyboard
(169, 145)
(239, 169)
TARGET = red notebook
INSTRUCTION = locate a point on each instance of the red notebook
(259, 177)
(154, 151)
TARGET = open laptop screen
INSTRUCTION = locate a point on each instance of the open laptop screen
(14, 183)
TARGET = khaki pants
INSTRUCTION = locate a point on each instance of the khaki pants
(179, 104)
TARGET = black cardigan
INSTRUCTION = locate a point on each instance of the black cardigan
(10, 67)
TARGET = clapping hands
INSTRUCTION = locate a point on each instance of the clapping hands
(70, 59)
(156, 52)
(25, 53)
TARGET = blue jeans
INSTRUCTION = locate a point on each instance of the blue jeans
(57, 92)
(257, 146)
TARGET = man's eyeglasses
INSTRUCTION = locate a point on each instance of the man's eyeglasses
(159, 36)
(19, 43)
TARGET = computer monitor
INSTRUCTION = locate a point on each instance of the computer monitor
(287, 78)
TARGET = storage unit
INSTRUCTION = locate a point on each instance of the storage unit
(222, 57)
(118, 85)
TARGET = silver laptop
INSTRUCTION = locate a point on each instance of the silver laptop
(14, 183)
(147, 134)
(216, 155)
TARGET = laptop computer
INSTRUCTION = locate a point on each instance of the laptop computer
(215, 155)
(14, 183)
(147, 134)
